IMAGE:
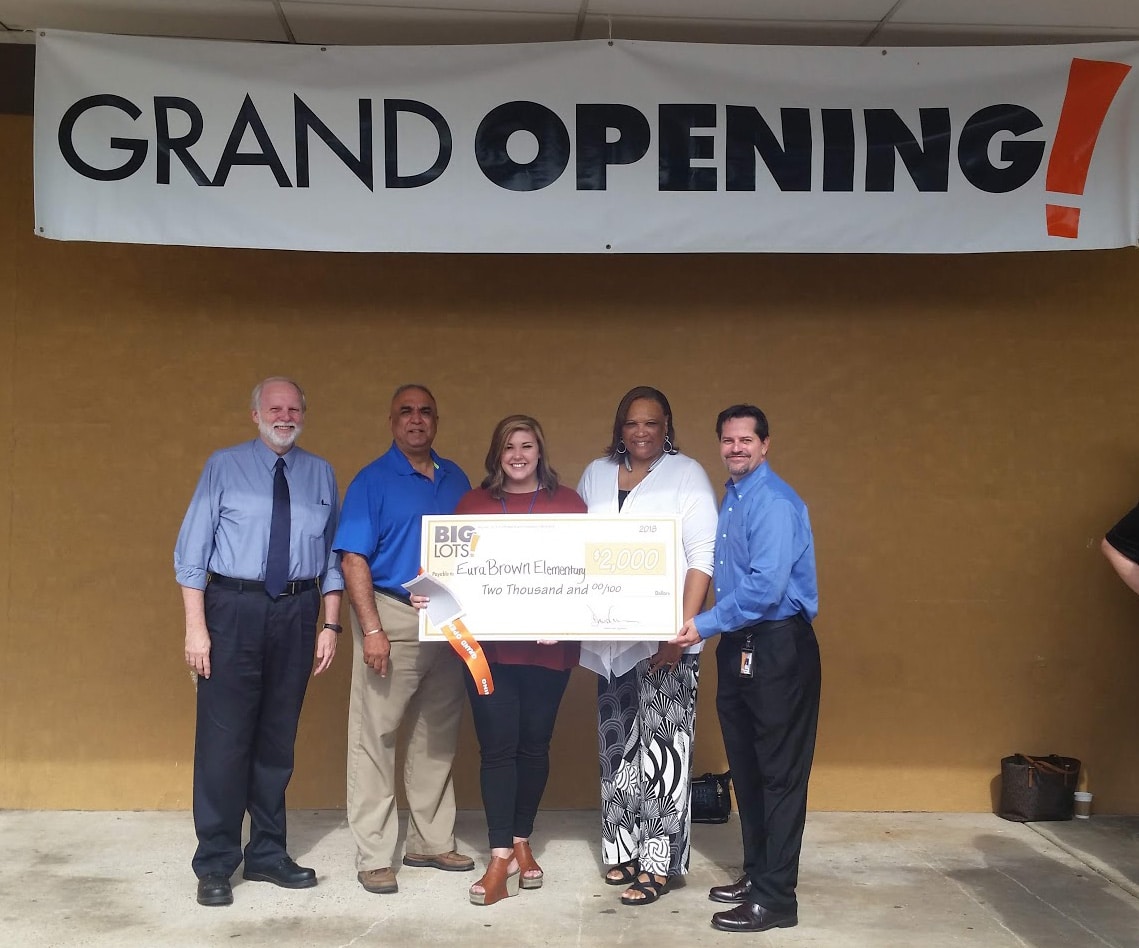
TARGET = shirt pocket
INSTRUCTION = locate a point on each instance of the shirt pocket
(310, 521)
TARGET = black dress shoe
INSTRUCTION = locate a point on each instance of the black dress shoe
(214, 889)
(287, 874)
(737, 891)
(752, 917)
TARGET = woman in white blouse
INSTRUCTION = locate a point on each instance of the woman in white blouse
(646, 695)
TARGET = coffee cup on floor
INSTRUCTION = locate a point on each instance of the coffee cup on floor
(1083, 808)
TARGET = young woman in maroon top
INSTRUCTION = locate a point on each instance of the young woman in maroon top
(515, 722)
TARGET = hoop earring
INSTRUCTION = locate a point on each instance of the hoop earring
(668, 446)
(621, 449)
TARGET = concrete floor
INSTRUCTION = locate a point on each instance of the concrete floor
(873, 880)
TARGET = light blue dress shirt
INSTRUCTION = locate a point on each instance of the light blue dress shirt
(226, 528)
(765, 556)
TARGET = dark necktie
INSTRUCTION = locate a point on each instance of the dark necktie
(277, 562)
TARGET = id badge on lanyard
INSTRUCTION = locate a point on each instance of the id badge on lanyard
(746, 655)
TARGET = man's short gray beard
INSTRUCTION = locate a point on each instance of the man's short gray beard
(270, 434)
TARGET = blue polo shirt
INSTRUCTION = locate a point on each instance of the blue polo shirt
(765, 556)
(382, 512)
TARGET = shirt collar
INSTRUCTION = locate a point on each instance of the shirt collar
(403, 465)
(268, 456)
(746, 483)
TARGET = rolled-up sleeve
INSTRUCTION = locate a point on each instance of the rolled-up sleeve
(332, 580)
(196, 538)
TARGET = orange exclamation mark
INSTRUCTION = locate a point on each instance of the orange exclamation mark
(1092, 85)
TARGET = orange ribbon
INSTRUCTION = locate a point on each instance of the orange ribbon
(470, 652)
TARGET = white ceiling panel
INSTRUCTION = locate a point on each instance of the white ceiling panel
(221, 19)
(780, 10)
(749, 32)
(1084, 14)
(791, 22)
(410, 8)
(338, 24)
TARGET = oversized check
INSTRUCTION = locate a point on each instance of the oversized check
(556, 576)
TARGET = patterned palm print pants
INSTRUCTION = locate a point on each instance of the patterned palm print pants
(645, 725)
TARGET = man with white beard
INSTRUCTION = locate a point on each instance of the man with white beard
(253, 558)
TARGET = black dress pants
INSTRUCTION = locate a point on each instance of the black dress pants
(769, 723)
(261, 654)
(514, 725)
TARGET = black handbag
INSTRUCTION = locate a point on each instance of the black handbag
(1038, 788)
(711, 801)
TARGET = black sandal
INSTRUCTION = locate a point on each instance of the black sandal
(650, 889)
(628, 870)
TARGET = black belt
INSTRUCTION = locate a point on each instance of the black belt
(402, 595)
(255, 585)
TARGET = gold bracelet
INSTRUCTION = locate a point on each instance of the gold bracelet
(373, 632)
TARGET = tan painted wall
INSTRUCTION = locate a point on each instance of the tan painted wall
(963, 429)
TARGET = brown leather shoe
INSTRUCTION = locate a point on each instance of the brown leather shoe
(448, 862)
(752, 917)
(737, 891)
(380, 881)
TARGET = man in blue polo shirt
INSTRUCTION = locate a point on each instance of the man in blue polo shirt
(768, 669)
(396, 679)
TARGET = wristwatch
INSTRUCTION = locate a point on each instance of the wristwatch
(335, 628)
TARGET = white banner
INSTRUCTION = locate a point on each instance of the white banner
(588, 147)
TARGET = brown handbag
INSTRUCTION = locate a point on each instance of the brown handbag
(1038, 788)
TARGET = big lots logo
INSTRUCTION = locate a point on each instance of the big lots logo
(453, 541)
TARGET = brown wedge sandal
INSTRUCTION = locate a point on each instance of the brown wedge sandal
(527, 863)
(497, 882)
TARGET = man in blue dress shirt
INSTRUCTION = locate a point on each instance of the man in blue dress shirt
(398, 681)
(250, 646)
(768, 667)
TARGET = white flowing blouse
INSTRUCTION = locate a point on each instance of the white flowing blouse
(677, 485)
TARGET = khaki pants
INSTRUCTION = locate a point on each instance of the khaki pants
(424, 692)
